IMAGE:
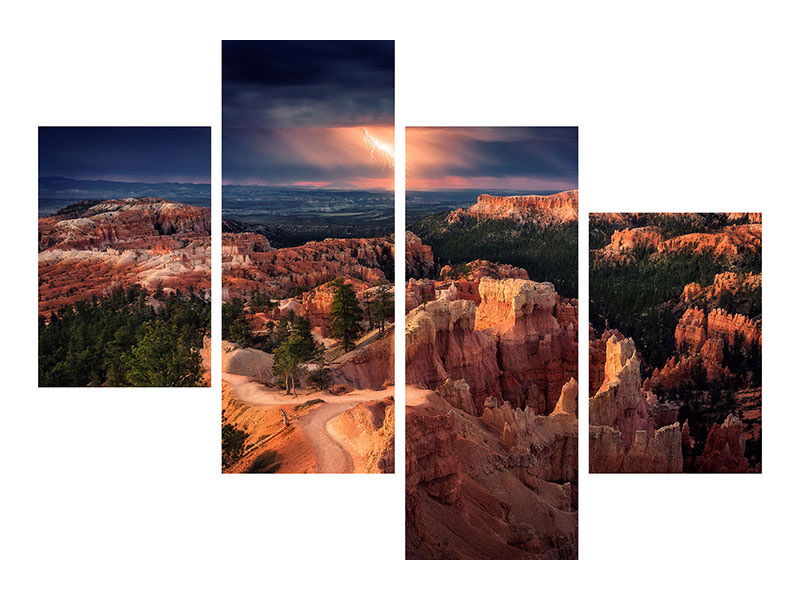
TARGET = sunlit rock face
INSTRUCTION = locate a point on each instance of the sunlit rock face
(701, 341)
(442, 343)
(623, 435)
(491, 423)
(536, 352)
(512, 346)
(731, 242)
(546, 210)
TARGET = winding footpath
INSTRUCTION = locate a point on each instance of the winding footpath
(331, 455)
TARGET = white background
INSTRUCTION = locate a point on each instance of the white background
(117, 493)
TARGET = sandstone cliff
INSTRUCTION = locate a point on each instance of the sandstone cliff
(419, 257)
(368, 366)
(512, 346)
(419, 291)
(545, 210)
(132, 223)
(367, 430)
(701, 342)
(623, 436)
(442, 343)
(458, 283)
(317, 303)
(726, 283)
(497, 486)
(724, 449)
(626, 241)
(536, 353)
(730, 242)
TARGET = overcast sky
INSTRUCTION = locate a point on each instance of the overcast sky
(294, 112)
(514, 158)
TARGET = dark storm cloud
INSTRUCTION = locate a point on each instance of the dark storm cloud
(307, 83)
(143, 154)
(457, 155)
(303, 156)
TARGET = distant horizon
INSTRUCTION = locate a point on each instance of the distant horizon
(485, 190)
(57, 191)
(310, 186)
(110, 179)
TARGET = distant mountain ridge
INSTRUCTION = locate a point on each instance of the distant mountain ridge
(56, 192)
(546, 210)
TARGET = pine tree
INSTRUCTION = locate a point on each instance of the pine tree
(298, 348)
(346, 315)
(381, 308)
(160, 360)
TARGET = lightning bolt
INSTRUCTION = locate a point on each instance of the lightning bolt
(383, 149)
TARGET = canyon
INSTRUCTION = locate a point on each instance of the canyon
(692, 403)
(343, 423)
(250, 263)
(117, 243)
(491, 400)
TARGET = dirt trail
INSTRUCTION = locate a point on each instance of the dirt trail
(332, 456)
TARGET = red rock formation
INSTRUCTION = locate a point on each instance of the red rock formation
(239, 246)
(370, 365)
(724, 449)
(478, 269)
(316, 305)
(701, 341)
(735, 330)
(368, 432)
(419, 257)
(499, 486)
(460, 283)
(442, 343)
(691, 331)
(279, 271)
(625, 242)
(622, 431)
(485, 477)
(597, 357)
(145, 241)
(536, 354)
(512, 347)
(458, 395)
(431, 463)
(545, 210)
(133, 223)
(731, 242)
(749, 217)
(724, 283)
(419, 291)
